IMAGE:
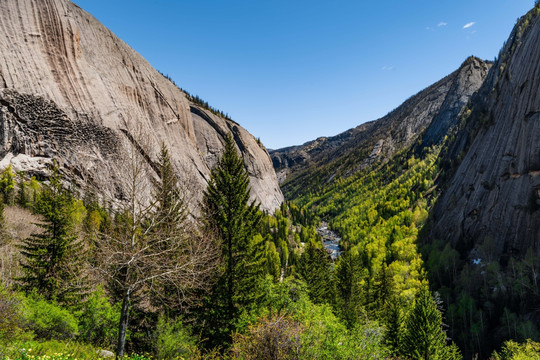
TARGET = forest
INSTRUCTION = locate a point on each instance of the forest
(150, 279)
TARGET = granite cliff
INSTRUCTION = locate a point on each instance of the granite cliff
(482, 244)
(495, 191)
(72, 91)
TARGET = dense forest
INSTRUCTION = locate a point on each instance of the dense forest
(147, 278)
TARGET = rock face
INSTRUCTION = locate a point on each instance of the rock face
(71, 90)
(433, 110)
(495, 191)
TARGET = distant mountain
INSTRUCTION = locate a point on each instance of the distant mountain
(72, 91)
(425, 118)
(478, 188)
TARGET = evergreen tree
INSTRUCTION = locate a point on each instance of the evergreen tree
(314, 268)
(350, 297)
(170, 211)
(393, 323)
(228, 211)
(53, 258)
(424, 337)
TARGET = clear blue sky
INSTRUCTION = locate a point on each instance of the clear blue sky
(290, 71)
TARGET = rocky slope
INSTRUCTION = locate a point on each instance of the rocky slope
(433, 111)
(71, 90)
(495, 191)
(483, 243)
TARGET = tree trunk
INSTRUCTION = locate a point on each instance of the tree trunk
(122, 326)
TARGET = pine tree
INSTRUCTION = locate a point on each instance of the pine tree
(314, 268)
(228, 211)
(170, 222)
(424, 337)
(53, 258)
(170, 210)
(350, 296)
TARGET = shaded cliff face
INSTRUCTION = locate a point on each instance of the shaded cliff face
(71, 90)
(433, 110)
(495, 191)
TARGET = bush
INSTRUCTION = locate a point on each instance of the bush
(48, 320)
(270, 338)
(11, 320)
(98, 320)
(173, 340)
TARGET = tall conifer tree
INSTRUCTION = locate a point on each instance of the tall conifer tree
(315, 268)
(228, 211)
(424, 337)
(52, 259)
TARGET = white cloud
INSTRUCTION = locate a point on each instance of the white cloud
(442, 23)
(387, 68)
(468, 25)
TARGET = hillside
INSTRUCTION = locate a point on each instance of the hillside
(70, 90)
(433, 111)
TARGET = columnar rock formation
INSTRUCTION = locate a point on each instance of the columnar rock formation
(71, 90)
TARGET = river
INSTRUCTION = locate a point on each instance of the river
(330, 240)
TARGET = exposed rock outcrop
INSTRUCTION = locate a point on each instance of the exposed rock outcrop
(71, 90)
(433, 110)
(495, 191)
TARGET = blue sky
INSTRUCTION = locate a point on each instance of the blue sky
(290, 71)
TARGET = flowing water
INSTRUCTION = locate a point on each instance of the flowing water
(330, 240)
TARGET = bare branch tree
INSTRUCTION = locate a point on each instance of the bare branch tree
(140, 251)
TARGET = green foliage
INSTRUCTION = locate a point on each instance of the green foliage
(11, 319)
(228, 212)
(7, 185)
(378, 213)
(423, 336)
(512, 350)
(173, 340)
(28, 191)
(315, 268)
(48, 320)
(291, 324)
(170, 211)
(98, 319)
(53, 258)
(56, 350)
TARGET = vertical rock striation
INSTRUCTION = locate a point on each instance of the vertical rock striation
(495, 191)
(71, 90)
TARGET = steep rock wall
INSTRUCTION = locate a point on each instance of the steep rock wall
(97, 95)
(495, 191)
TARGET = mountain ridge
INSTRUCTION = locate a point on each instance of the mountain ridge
(431, 110)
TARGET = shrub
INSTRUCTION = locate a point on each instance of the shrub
(98, 320)
(48, 320)
(270, 338)
(11, 320)
(173, 340)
